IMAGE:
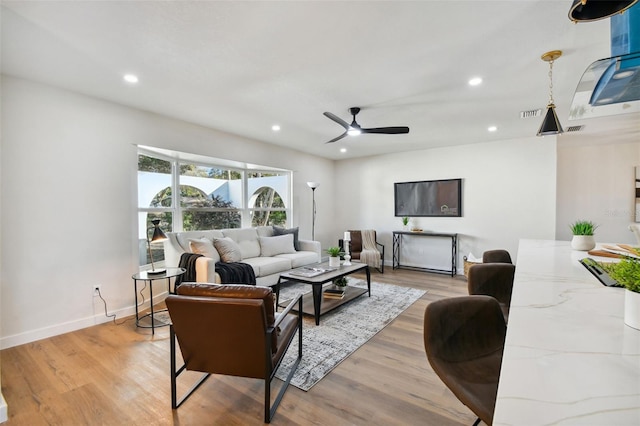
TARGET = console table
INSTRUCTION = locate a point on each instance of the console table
(397, 245)
(568, 356)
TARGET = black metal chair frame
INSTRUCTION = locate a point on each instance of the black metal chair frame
(269, 410)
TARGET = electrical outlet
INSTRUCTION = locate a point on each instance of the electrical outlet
(96, 290)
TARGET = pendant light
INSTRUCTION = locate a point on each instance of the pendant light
(593, 10)
(550, 124)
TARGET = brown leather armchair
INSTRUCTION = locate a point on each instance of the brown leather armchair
(232, 330)
(356, 247)
(493, 279)
(464, 341)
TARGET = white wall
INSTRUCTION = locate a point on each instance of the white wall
(597, 182)
(508, 194)
(3, 404)
(69, 217)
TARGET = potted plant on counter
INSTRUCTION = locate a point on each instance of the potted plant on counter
(583, 238)
(334, 256)
(627, 274)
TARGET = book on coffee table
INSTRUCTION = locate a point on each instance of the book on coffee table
(334, 293)
(310, 272)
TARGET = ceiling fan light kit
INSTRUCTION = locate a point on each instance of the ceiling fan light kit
(593, 10)
(355, 129)
(550, 124)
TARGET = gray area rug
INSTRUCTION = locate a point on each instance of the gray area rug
(342, 330)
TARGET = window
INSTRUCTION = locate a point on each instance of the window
(266, 204)
(205, 194)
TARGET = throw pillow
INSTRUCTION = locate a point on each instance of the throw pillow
(229, 250)
(271, 246)
(283, 231)
(204, 246)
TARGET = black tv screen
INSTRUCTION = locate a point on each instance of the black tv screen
(431, 198)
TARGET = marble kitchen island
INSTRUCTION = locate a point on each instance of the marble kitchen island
(569, 358)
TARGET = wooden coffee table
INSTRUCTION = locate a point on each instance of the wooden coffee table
(317, 306)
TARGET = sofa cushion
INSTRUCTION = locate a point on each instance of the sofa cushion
(247, 240)
(228, 249)
(264, 231)
(263, 266)
(293, 231)
(204, 246)
(271, 246)
(184, 237)
(300, 258)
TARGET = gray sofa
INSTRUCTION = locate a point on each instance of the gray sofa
(268, 254)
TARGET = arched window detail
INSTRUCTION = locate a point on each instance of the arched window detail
(267, 207)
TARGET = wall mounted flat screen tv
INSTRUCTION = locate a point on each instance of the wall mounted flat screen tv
(429, 198)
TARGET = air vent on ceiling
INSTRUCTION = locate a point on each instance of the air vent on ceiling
(574, 128)
(531, 113)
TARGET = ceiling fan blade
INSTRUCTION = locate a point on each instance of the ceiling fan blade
(338, 138)
(387, 130)
(337, 119)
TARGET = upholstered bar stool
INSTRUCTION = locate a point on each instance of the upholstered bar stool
(496, 256)
(464, 340)
(495, 280)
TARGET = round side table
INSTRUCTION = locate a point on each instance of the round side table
(150, 278)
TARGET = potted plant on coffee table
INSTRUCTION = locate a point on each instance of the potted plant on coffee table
(583, 238)
(627, 274)
(334, 256)
(341, 282)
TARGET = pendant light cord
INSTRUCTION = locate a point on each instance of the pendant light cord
(551, 81)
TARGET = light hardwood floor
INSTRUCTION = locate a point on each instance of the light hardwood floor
(119, 375)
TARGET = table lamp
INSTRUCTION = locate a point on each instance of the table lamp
(158, 235)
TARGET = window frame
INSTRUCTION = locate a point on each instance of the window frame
(177, 159)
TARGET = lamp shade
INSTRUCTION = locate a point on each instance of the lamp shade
(158, 234)
(592, 10)
(550, 125)
(313, 185)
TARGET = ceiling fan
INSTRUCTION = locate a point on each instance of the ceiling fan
(355, 129)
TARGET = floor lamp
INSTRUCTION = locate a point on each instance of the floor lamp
(313, 186)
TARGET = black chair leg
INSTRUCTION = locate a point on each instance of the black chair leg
(477, 422)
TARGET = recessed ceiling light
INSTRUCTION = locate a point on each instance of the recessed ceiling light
(130, 78)
(492, 128)
(275, 128)
(475, 81)
(343, 149)
(623, 74)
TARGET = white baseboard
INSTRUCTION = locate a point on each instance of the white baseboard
(57, 329)
(4, 414)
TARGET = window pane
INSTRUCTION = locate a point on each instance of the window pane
(195, 220)
(260, 183)
(154, 180)
(200, 184)
(259, 218)
(145, 226)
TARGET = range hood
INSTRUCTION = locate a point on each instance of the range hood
(612, 86)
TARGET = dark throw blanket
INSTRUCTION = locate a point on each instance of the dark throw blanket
(230, 273)
(188, 262)
(235, 273)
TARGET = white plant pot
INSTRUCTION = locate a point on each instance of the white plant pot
(583, 242)
(632, 309)
(334, 262)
